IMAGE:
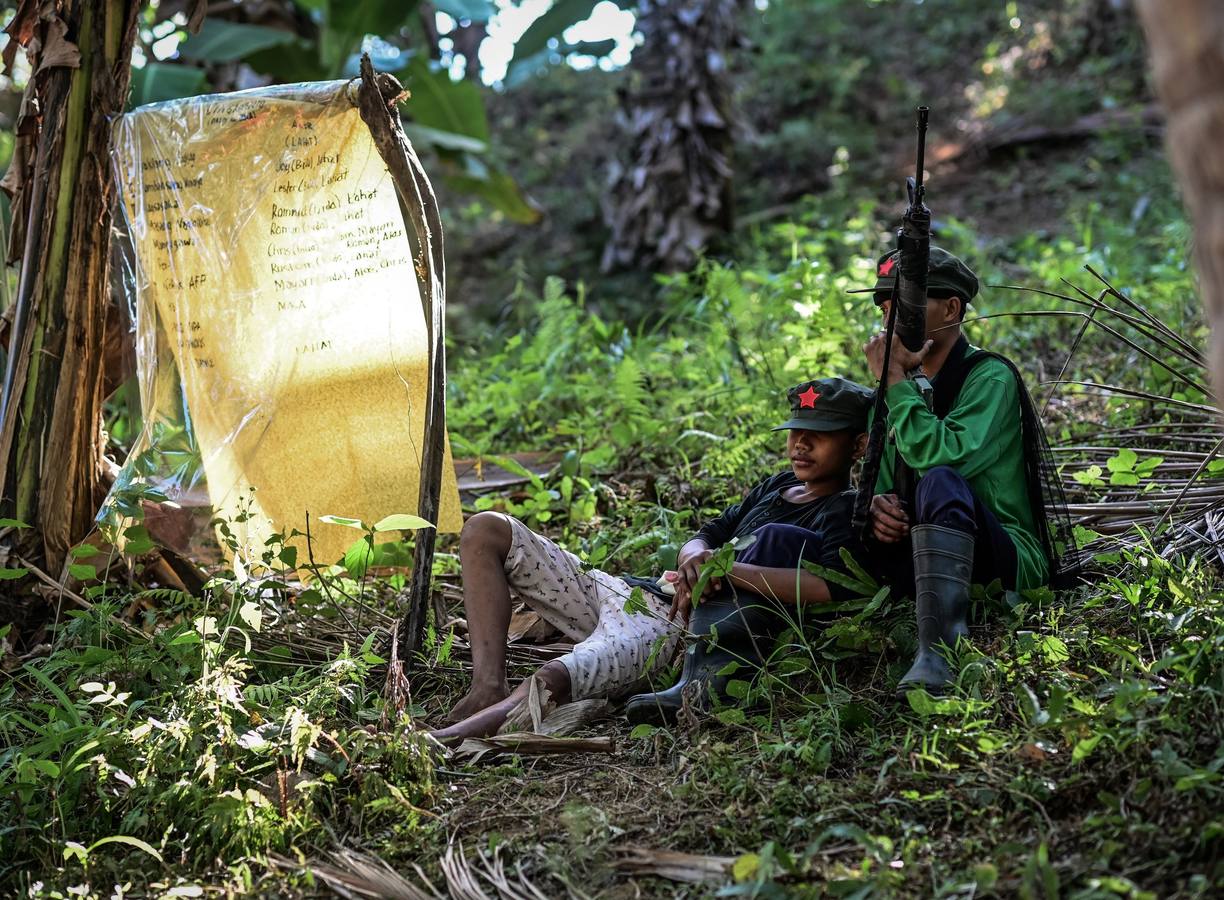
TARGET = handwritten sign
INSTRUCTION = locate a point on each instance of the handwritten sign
(275, 279)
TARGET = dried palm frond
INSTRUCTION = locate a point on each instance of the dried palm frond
(465, 877)
(530, 712)
(538, 715)
(519, 654)
(510, 887)
(354, 874)
(1181, 428)
(396, 692)
(311, 638)
(569, 717)
(461, 879)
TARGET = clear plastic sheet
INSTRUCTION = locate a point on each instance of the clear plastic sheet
(280, 339)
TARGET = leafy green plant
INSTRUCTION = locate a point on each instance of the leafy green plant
(186, 745)
(369, 550)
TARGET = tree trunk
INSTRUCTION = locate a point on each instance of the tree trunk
(674, 192)
(1186, 41)
(50, 435)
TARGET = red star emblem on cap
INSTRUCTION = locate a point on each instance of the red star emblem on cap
(807, 400)
(887, 266)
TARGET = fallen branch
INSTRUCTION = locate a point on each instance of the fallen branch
(77, 598)
(692, 868)
(527, 744)
(1019, 132)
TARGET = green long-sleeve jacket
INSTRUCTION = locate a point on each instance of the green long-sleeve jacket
(982, 439)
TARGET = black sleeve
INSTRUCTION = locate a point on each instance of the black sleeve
(721, 528)
(835, 525)
(838, 533)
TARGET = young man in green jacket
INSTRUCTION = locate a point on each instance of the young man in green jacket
(958, 500)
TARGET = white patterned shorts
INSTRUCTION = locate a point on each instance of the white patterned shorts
(612, 650)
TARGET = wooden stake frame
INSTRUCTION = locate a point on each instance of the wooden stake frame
(377, 97)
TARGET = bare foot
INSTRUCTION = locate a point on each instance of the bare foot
(450, 736)
(484, 722)
(478, 698)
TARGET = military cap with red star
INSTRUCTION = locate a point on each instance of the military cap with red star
(946, 275)
(828, 404)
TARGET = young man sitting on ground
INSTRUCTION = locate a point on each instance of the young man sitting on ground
(961, 496)
(803, 513)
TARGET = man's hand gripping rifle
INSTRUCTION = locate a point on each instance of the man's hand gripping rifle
(906, 319)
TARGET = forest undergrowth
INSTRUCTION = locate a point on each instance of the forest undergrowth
(169, 745)
(157, 743)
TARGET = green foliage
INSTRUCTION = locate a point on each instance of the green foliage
(1092, 721)
(447, 116)
(1078, 754)
(444, 104)
(187, 747)
(370, 551)
(221, 41)
(472, 10)
(339, 30)
(442, 109)
(548, 26)
(731, 342)
(160, 81)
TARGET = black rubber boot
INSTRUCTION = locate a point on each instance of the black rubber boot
(744, 632)
(943, 567)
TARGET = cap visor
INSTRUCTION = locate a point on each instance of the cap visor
(815, 425)
(938, 285)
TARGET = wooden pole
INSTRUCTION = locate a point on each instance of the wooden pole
(376, 100)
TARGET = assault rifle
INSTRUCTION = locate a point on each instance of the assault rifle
(906, 319)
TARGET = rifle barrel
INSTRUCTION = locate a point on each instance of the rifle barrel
(923, 112)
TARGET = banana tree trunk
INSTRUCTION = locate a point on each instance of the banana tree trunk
(62, 189)
(672, 194)
(1186, 42)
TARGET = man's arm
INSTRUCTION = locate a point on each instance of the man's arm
(700, 547)
(794, 587)
(689, 560)
(969, 438)
(835, 529)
